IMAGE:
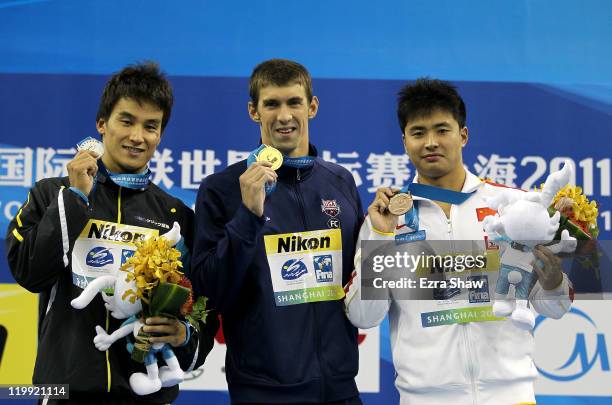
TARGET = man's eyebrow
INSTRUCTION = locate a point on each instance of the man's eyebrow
(443, 124)
(125, 114)
(417, 128)
(155, 121)
(269, 101)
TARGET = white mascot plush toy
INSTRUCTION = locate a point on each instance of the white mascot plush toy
(522, 222)
(155, 378)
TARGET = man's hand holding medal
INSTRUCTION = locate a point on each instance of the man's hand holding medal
(387, 206)
(257, 175)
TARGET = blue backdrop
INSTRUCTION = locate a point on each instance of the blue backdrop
(535, 77)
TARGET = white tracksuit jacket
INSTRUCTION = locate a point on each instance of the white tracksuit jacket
(489, 362)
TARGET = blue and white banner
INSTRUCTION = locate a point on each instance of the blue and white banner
(535, 77)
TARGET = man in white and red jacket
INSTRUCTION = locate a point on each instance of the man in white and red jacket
(449, 348)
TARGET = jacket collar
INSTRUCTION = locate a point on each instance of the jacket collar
(288, 174)
(103, 177)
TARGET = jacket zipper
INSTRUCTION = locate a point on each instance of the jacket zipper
(471, 366)
(463, 326)
(314, 307)
(108, 368)
(465, 332)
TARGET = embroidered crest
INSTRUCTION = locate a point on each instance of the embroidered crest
(330, 207)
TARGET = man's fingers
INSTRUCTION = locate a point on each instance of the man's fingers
(161, 329)
(541, 262)
(260, 178)
(382, 196)
(160, 324)
(83, 161)
(546, 256)
(255, 172)
(379, 205)
(389, 192)
(386, 192)
(159, 320)
(85, 154)
(257, 166)
(170, 330)
(263, 163)
(90, 153)
(538, 270)
(263, 175)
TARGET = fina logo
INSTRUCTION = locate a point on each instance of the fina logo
(323, 268)
(99, 256)
(580, 352)
(293, 269)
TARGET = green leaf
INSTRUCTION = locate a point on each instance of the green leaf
(168, 299)
(198, 312)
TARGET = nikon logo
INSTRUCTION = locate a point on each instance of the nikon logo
(297, 243)
(110, 232)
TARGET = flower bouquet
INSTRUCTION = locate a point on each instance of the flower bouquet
(578, 214)
(579, 217)
(160, 286)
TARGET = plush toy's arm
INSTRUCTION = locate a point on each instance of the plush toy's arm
(502, 199)
(93, 288)
(109, 304)
(174, 234)
(566, 245)
(555, 182)
(493, 226)
(103, 340)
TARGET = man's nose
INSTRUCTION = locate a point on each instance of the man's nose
(431, 141)
(137, 134)
(285, 114)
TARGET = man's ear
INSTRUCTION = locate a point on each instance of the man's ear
(253, 112)
(101, 126)
(313, 108)
(464, 136)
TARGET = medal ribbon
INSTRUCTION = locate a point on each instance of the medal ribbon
(411, 218)
(130, 180)
(301, 162)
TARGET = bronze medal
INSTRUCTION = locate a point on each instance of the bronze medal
(400, 204)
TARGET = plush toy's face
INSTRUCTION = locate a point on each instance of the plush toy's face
(528, 222)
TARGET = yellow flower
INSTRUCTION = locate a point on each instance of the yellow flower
(154, 261)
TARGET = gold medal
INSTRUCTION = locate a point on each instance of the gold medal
(400, 204)
(272, 155)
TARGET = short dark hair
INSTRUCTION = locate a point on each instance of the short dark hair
(425, 96)
(278, 72)
(142, 82)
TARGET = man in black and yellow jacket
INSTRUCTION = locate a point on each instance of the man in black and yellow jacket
(79, 227)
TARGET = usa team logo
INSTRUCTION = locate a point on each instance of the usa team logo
(99, 256)
(324, 269)
(330, 207)
(293, 269)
